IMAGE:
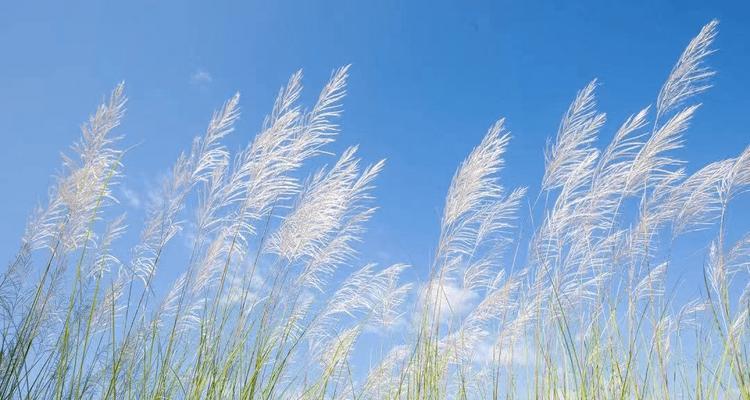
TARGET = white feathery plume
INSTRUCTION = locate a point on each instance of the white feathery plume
(495, 306)
(593, 254)
(380, 379)
(258, 177)
(663, 330)
(687, 79)
(575, 288)
(162, 222)
(319, 123)
(44, 224)
(351, 298)
(187, 297)
(12, 281)
(696, 202)
(737, 180)
(716, 268)
(533, 302)
(457, 347)
(690, 75)
(207, 156)
(474, 207)
(474, 181)
(611, 173)
(739, 325)
(89, 181)
(744, 299)
(688, 314)
(499, 216)
(294, 324)
(654, 213)
(388, 297)
(324, 206)
(362, 290)
(76, 200)
(335, 253)
(169, 304)
(286, 101)
(585, 205)
(478, 274)
(628, 165)
(651, 167)
(738, 255)
(104, 259)
(564, 222)
(652, 284)
(652, 164)
(261, 176)
(584, 271)
(492, 230)
(212, 263)
(174, 305)
(213, 162)
(110, 306)
(342, 346)
(531, 306)
(339, 349)
(572, 146)
(262, 165)
(368, 293)
(573, 194)
(208, 216)
(624, 145)
(476, 216)
(207, 150)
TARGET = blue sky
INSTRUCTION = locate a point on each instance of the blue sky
(427, 80)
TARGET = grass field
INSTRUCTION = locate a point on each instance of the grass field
(272, 300)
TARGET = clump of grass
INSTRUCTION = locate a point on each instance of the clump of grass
(266, 305)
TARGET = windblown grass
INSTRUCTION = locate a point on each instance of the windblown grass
(267, 306)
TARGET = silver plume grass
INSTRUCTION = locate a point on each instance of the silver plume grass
(574, 296)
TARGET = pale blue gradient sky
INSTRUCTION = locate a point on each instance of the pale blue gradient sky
(427, 79)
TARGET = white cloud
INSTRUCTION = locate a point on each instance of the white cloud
(239, 288)
(454, 302)
(132, 198)
(201, 77)
(520, 355)
(398, 324)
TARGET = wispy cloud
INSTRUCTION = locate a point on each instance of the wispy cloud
(239, 289)
(132, 198)
(201, 77)
(453, 301)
